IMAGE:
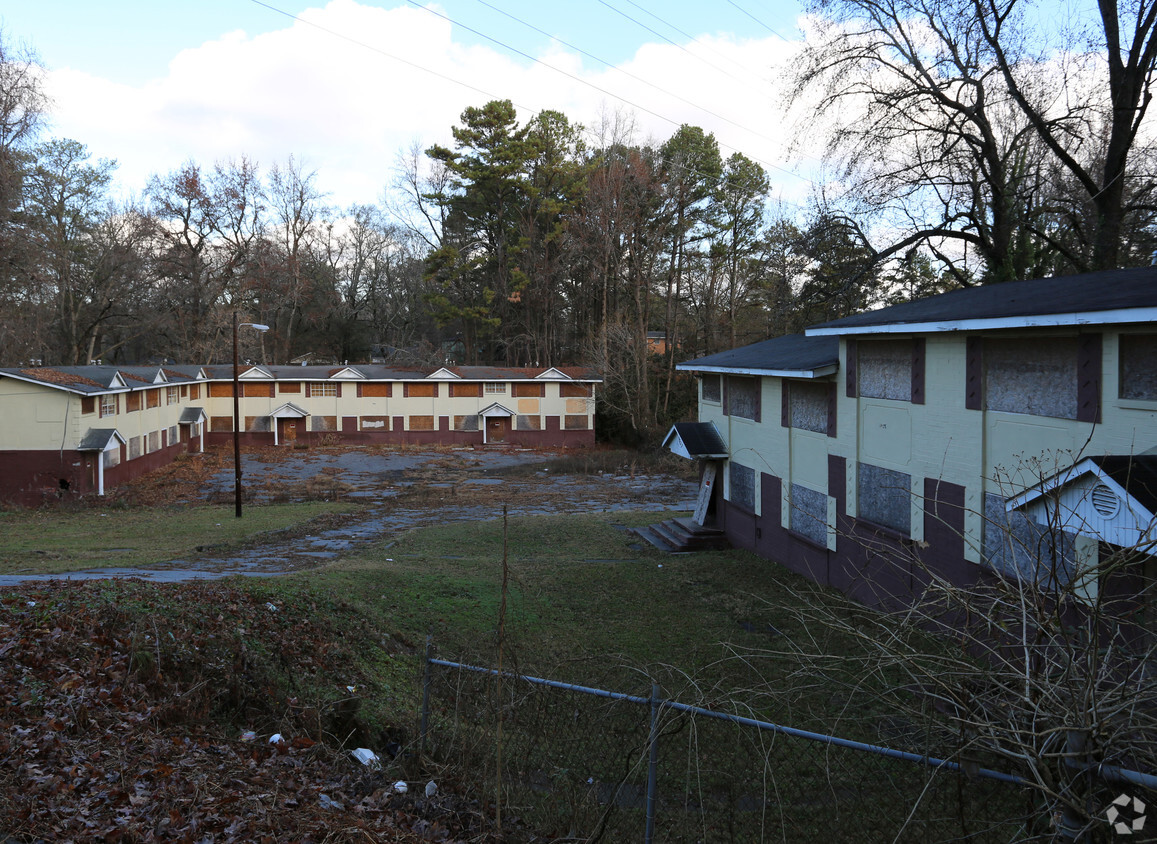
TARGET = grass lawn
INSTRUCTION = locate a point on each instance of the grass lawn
(51, 541)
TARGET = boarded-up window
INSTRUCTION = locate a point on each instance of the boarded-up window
(174, 434)
(809, 513)
(1138, 353)
(884, 369)
(472, 391)
(885, 497)
(421, 391)
(220, 391)
(263, 391)
(421, 423)
(326, 388)
(808, 405)
(466, 423)
(220, 423)
(194, 392)
(375, 423)
(712, 389)
(1015, 545)
(108, 405)
(289, 387)
(495, 388)
(743, 398)
(257, 424)
(323, 423)
(132, 402)
(742, 486)
(528, 423)
(154, 440)
(153, 398)
(172, 395)
(134, 447)
(576, 422)
(377, 391)
(574, 391)
(1037, 376)
(528, 390)
(87, 404)
(184, 391)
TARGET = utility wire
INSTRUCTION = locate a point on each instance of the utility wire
(526, 109)
(627, 73)
(757, 20)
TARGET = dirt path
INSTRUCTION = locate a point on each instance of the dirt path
(404, 490)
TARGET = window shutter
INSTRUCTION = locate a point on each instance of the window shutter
(726, 404)
(1089, 378)
(359, 391)
(850, 367)
(339, 389)
(785, 404)
(974, 374)
(918, 371)
(307, 386)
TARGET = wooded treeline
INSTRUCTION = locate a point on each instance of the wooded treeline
(549, 243)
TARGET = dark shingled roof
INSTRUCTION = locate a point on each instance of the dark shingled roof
(1136, 473)
(701, 438)
(1088, 293)
(97, 439)
(790, 353)
(191, 415)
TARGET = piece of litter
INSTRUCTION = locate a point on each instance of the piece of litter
(401, 787)
(351, 689)
(272, 607)
(660, 565)
(327, 802)
(590, 780)
(248, 735)
(366, 756)
(276, 738)
(431, 788)
(31, 603)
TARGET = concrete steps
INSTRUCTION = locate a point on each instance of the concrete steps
(682, 535)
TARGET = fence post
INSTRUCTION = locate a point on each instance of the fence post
(652, 764)
(425, 718)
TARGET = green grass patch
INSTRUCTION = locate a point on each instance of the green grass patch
(47, 541)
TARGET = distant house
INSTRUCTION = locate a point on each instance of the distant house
(947, 429)
(84, 429)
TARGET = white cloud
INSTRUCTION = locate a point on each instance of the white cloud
(345, 106)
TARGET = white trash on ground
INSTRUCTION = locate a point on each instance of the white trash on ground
(366, 757)
(401, 787)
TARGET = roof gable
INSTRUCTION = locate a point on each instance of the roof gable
(695, 439)
(444, 373)
(347, 373)
(553, 375)
(255, 372)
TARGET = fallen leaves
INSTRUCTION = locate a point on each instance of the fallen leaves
(120, 707)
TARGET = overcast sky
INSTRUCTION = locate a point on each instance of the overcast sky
(345, 86)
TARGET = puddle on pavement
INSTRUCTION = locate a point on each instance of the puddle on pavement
(366, 472)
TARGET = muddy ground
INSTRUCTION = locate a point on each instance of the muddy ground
(399, 489)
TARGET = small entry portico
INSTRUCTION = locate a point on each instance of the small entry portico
(286, 422)
(495, 423)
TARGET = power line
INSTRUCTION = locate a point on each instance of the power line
(512, 49)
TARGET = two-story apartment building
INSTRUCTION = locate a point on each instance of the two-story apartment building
(947, 433)
(82, 429)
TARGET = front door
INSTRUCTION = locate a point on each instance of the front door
(288, 432)
(496, 428)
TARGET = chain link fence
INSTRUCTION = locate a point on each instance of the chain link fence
(581, 763)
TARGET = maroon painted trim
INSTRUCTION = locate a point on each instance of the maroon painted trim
(833, 407)
(1089, 378)
(785, 404)
(918, 371)
(974, 374)
(850, 368)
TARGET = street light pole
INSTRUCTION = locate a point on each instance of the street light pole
(237, 413)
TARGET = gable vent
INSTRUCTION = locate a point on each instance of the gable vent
(1105, 501)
